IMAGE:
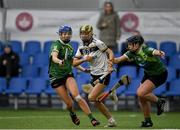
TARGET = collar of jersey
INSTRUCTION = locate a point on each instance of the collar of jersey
(62, 42)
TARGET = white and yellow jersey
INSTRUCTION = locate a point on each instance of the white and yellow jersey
(96, 49)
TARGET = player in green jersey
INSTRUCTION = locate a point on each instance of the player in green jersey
(61, 76)
(155, 74)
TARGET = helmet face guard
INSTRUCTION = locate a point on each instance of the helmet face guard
(86, 33)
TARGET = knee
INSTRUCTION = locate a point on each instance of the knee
(91, 98)
(140, 94)
(78, 98)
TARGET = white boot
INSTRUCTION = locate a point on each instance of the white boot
(111, 123)
(113, 96)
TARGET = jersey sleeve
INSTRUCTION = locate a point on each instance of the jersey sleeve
(129, 55)
(149, 50)
(55, 47)
(78, 53)
(102, 46)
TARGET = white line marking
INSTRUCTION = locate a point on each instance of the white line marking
(59, 116)
(91, 129)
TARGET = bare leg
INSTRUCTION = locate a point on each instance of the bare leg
(62, 92)
(96, 91)
(145, 91)
(146, 96)
(145, 107)
(72, 86)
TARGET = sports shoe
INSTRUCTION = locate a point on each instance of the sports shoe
(95, 122)
(160, 106)
(113, 96)
(75, 119)
(111, 123)
(146, 124)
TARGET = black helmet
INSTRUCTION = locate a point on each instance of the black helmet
(135, 39)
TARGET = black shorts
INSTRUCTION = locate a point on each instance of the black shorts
(105, 81)
(156, 79)
(61, 81)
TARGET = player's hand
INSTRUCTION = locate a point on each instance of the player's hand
(87, 70)
(162, 54)
(110, 69)
(61, 62)
(88, 58)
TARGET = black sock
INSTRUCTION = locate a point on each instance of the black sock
(90, 116)
(159, 100)
(148, 119)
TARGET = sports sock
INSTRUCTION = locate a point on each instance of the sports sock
(148, 119)
(159, 100)
(71, 111)
(90, 116)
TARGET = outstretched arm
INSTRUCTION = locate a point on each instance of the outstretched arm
(120, 59)
(55, 58)
(110, 59)
(78, 61)
(110, 54)
(79, 67)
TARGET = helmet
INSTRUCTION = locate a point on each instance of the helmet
(64, 28)
(135, 39)
(86, 32)
(86, 28)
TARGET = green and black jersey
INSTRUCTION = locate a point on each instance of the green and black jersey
(144, 57)
(66, 53)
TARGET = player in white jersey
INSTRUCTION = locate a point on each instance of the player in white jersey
(96, 49)
(100, 59)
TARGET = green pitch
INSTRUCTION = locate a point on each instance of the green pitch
(58, 119)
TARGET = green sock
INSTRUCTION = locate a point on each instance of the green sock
(90, 116)
(71, 111)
